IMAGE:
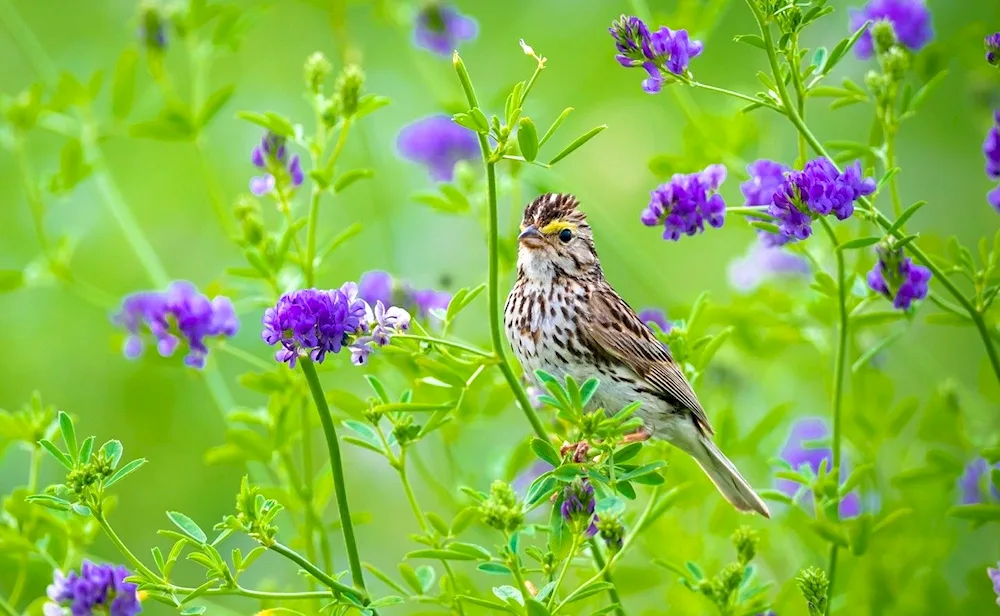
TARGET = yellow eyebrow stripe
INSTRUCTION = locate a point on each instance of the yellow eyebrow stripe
(556, 226)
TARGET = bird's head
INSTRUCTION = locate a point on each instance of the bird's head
(555, 239)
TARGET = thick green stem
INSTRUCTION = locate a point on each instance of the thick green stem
(337, 468)
(880, 219)
(574, 546)
(890, 164)
(316, 572)
(7, 608)
(250, 593)
(127, 553)
(445, 343)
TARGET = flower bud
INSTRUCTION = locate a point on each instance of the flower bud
(152, 31)
(501, 510)
(896, 62)
(612, 531)
(813, 585)
(316, 70)
(745, 541)
(405, 430)
(884, 36)
(348, 89)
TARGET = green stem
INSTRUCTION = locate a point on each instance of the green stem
(890, 164)
(831, 574)
(129, 556)
(33, 469)
(793, 65)
(24, 40)
(880, 219)
(251, 593)
(7, 608)
(736, 95)
(573, 547)
(445, 343)
(315, 571)
(306, 490)
(337, 468)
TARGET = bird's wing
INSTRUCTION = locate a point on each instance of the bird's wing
(615, 329)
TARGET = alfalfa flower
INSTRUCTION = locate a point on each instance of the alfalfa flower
(314, 322)
(910, 19)
(993, 48)
(994, 575)
(766, 177)
(178, 314)
(991, 148)
(663, 54)
(685, 203)
(897, 278)
(817, 190)
(578, 506)
(763, 262)
(282, 172)
(803, 451)
(96, 589)
(974, 484)
(439, 144)
(377, 285)
(440, 28)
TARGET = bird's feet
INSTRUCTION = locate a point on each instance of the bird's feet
(639, 435)
(579, 450)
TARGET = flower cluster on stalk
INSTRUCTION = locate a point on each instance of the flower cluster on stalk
(896, 277)
(817, 190)
(96, 589)
(763, 262)
(378, 286)
(801, 451)
(991, 150)
(439, 144)
(577, 507)
(663, 54)
(178, 314)
(314, 322)
(282, 172)
(973, 482)
(685, 203)
(992, 43)
(440, 28)
(910, 19)
(766, 177)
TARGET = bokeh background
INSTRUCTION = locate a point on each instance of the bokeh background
(67, 349)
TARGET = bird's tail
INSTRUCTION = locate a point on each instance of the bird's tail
(726, 478)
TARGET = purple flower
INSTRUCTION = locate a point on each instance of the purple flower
(438, 143)
(766, 176)
(178, 313)
(993, 48)
(657, 52)
(686, 202)
(376, 286)
(525, 478)
(991, 148)
(910, 20)
(799, 452)
(655, 315)
(898, 279)
(315, 322)
(424, 301)
(272, 156)
(578, 505)
(994, 575)
(972, 484)
(818, 190)
(763, 262)
(97, 589)
(993, 198)
(440, 28)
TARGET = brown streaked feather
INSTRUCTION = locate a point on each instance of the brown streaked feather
(614, 328)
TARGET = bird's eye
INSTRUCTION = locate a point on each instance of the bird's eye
(565, 236)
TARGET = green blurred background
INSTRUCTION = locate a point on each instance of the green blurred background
(67, 349)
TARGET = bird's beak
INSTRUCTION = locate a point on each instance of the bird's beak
(529, 235)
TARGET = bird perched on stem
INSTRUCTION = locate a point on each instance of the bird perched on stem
(564, 318)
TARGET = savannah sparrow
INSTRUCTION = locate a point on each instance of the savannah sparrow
(564, 318)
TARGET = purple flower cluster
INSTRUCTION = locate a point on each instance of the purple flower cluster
(991, 150)
(994, 575)
(578, 505)
(993, 48)
(972, 484)
(439, 144)
(664, 50)
(898, 279)
(799, 452)
(96, 589)
(378, 286)
(818, 190)
(440, 28)
(910, 19)
(766, 177)
(655, 315)
(272, 156)
(763, 262)
(315, 322)
(179, 312)
(686, 202)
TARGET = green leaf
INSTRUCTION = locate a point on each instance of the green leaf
(123, 84)
(349, 177)
(979, 513)
(172, 124)
(841, 49)
(384, 577)
(410, 577)
(627, 452)
(386, 601)
(535, 608)
(545, 451)
(572, 147)
(370, 103)
(49, 501)
(462, 298)
(215, 101)
(455, 196)
(439, 203)
(466, 120)
(426, 575)
(11, 280)
(188, 526)
(861, 242)
(830, 531)
(112, 450)
(552, 129)
(197, 609)
(476, 551)
(750, 39)
(860, 530)
(921, 95)
(527, 139)
(86, 449)
(590, 590)
(509, 594)
(642, 470)
(906, 215)
(494, 568)
(274, 122)
(68, 432)
(493, 605)
(340, 239)
(441, 555)
(56, 453)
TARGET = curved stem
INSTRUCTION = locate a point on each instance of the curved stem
(445, 343)
(337, 468)
(574, 546)
(7, 608)
(315, 571)
(880, 219)
(129, 556)
(737, 95)
(251, 593)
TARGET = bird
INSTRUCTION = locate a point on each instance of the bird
(564, 318)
